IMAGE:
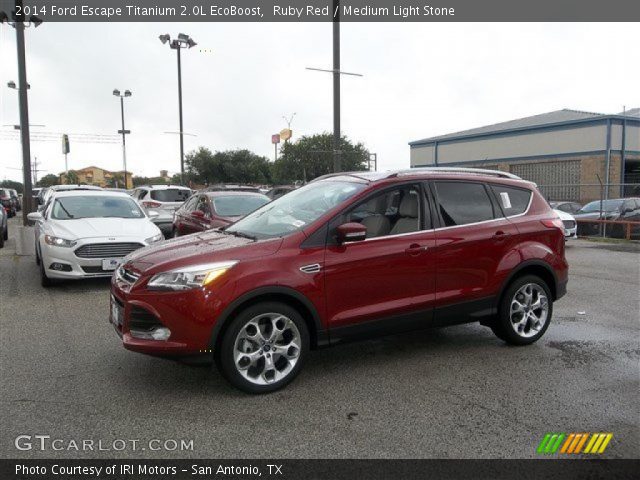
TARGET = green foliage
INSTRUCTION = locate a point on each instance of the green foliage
(137, 181)
(49, 180)
(231, 166)
(312, 156)
(17, 186)
(72, 177)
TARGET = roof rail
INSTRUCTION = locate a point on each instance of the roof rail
(477, 171)
(341, 174)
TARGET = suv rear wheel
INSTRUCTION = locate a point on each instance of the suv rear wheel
(525, 311)
(263, 348)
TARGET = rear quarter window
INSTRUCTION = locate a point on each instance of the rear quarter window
(461, 203)
(513, 200)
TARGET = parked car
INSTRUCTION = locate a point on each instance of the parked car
(569, 223)
(8, 203)
(85, 234)
(214, 210)
(569, 207)
(230, 187)
(4, 227)
(164, 199)
(613, 209)
(48, 193)
(277, 192)
(344, 257)
(16, 199)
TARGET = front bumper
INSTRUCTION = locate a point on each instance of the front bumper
(189, 315)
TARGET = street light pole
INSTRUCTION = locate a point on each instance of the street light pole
(180, 115)
(127, 93)
(183, 41)
(337, 163)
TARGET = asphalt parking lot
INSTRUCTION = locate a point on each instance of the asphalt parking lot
(455, 392)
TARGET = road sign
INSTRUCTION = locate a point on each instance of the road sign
(275, 138)
(285, 134)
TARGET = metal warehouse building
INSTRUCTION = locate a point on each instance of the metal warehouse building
(565, 152)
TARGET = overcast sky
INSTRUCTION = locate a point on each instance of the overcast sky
(420, 79)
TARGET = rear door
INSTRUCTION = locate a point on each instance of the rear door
(472, 240)
(182, 222)
(388, 280)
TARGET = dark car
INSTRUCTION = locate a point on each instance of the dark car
(345, 257)
(230, 187)
(8, 202)
(568, 207)
(277, 192)
(627, 209)
(4, 227)
(215, 209)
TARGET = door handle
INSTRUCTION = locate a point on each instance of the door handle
(415, 249)
(500, 235)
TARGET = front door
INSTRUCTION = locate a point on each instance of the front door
(386, 282)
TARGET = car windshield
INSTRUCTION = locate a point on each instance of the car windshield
(607, 206)
(295, 210)
(171, 195)
(87, 206)
(238, 205)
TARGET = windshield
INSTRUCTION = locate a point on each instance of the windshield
(86, 206)
(238, 205)
(296, 209)
(607, 206)
(171, 195)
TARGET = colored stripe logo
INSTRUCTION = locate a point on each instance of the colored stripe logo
(574, 443)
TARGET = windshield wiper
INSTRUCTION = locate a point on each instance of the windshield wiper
(235, 233)
(65, 210)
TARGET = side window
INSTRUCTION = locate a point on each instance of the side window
(515, 201)
(141, 194)
(461, 203)
(391, 212)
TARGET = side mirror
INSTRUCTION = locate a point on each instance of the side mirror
(34, 216)
(351, 232)
(153, 214)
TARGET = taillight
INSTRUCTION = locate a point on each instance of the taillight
(151, 204)
(553, 222)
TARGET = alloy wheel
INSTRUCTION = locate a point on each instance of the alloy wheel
(267, 348)
(529, 310)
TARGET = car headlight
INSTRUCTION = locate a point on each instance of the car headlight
(154, 239)
(190, 277)
(59, 242)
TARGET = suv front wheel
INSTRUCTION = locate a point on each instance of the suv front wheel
(525, 311)
(263, 348)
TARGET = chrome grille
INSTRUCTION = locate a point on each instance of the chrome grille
(106, 250)
(127, 275)
(569, 224)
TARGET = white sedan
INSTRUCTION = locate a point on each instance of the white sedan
(85, 234)
(570, 225)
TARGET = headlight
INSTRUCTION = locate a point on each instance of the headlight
(154, 239)
(188, 278)
(59, 242)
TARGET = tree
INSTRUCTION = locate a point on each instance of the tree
(49, 180)
(17, 186)
(72, 177)
(137, 181)
(312, 156)
(231, 166)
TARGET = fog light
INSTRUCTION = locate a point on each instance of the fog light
(60, 267)
(158, 333)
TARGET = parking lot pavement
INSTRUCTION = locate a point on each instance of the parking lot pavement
(455, 392)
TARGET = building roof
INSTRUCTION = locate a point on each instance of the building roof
(556, 117)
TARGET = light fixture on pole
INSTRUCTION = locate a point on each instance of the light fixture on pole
(19, 21)
(177, 44)
(122, 96)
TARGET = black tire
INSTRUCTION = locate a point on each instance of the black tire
(2, 239)
(224, 355)
(504, 328)
(6, 232)
(37, 254)
(45, 281)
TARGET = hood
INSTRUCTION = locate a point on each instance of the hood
(139, 228)
(205, 247)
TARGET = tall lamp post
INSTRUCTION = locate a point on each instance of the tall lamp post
(18, 23)
(122, 96)
(177, 44)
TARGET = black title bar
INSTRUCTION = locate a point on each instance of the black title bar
(327, 10)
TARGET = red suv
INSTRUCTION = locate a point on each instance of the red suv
(347, 256)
